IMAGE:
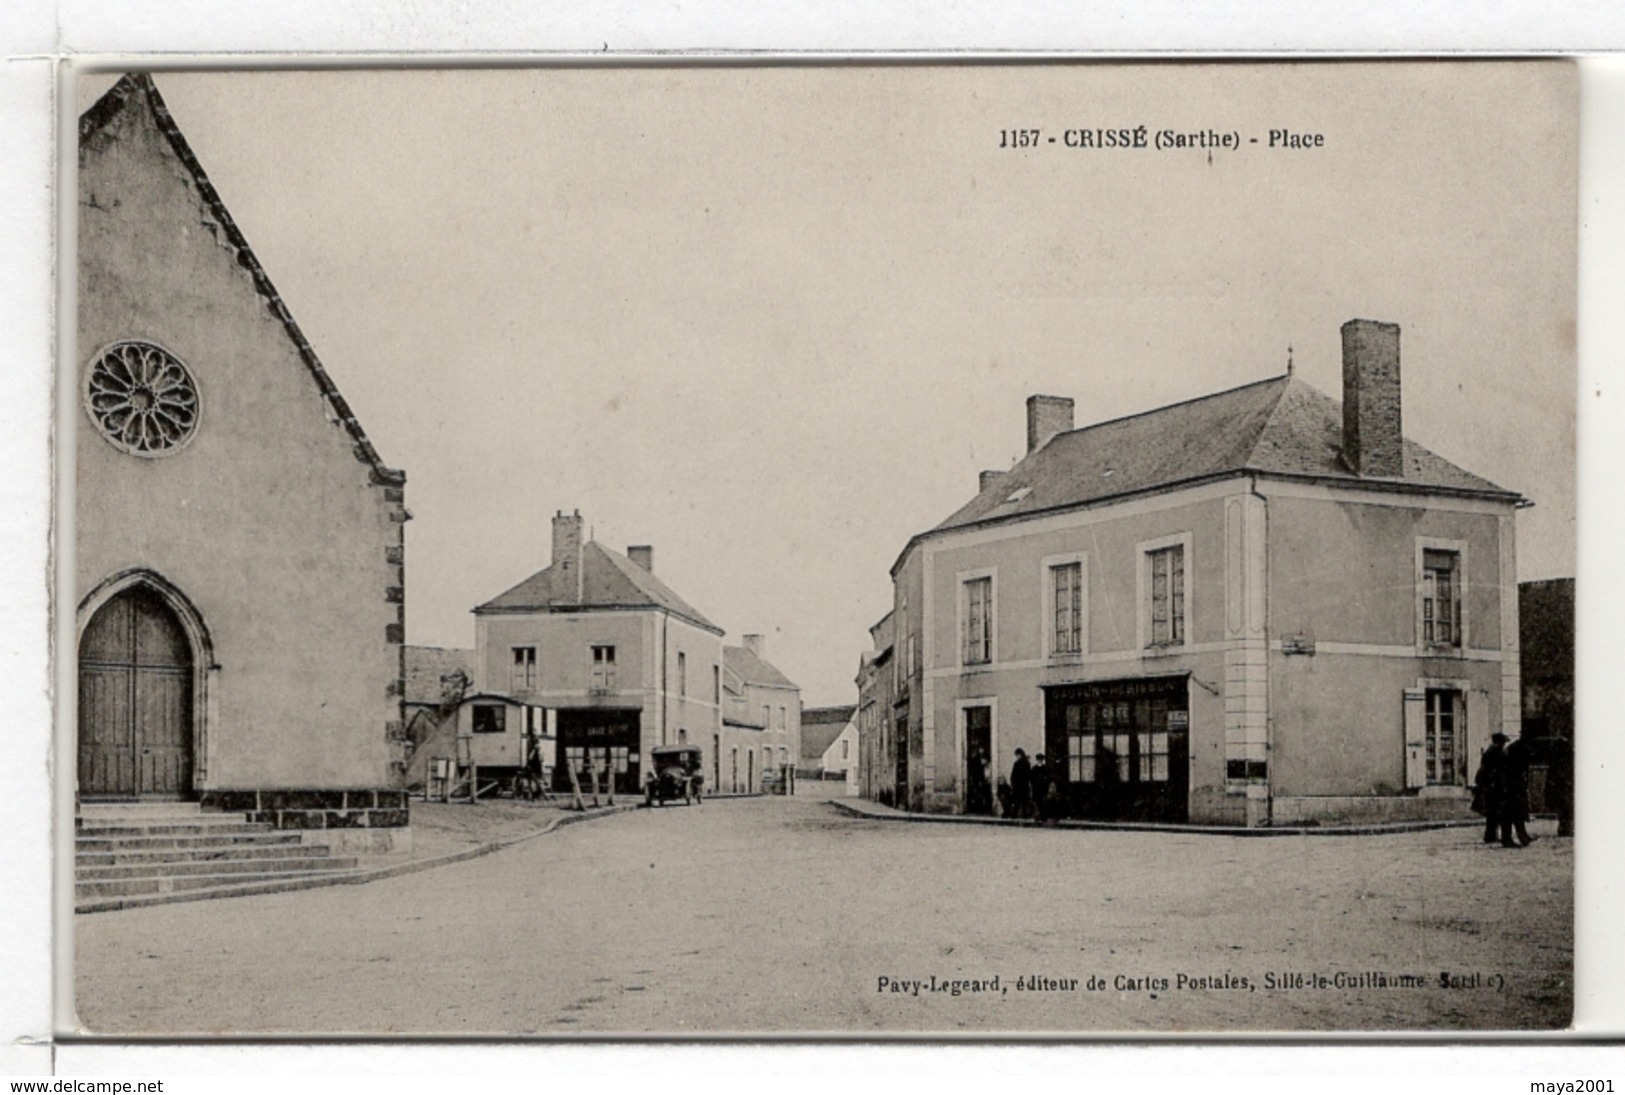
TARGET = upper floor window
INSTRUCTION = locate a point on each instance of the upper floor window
(523, 678)
(1441, 598)
(682, 675)
(1065, 595)
(977, 620)
(767, 716)
(716, 685)
(783, 723)
(1166, 596)
(603, 667)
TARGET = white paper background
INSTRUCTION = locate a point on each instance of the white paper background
(34, 35)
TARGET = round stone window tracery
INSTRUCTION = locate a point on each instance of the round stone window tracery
(142, 398)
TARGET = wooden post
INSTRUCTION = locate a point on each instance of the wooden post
(592, 774)
(575, 787)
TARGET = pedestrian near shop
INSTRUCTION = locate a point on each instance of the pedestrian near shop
(1021, 785)
(1040, 778)
(1517, 791)
(1490, 784)
(1560, 782)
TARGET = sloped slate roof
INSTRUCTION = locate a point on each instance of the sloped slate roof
(1280, 426)
(136, 91)
(820, 726)
(608, 580)
(752, 669)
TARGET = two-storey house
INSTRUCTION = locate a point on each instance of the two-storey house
(1249, 608)
(608, 655)
(761, 719)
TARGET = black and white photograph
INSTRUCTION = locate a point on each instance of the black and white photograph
(701, 548)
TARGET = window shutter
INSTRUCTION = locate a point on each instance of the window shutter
(1416, 774)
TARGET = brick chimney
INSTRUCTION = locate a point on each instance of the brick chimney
(990, 478)
(756, 644)
(1372, 437)
(567, 548)
(643, 555)
(1047, 415)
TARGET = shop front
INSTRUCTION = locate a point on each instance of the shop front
(1121, 748)
(600, 740)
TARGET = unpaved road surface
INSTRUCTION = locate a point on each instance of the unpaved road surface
(783, 915)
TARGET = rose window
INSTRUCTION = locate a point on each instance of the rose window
(142, 398)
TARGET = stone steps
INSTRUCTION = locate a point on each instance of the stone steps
(141, 853)
(198, 886)
(93, 845)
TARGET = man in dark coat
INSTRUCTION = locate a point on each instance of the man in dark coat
(1040, 785)
(1021, 785)
(1492, 781)
(1517, 791)
(1560, 783)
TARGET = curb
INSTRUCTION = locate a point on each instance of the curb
(1150, 827)
(353, 877)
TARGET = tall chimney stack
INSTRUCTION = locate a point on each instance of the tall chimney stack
(567, 548)
(756, 645)
(1373, 441)
(1047, 415)
(643, 555)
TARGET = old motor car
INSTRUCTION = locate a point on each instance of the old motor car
(674, 772)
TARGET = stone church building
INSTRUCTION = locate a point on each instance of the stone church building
(239, 544)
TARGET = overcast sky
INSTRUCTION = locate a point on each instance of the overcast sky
(774, 321)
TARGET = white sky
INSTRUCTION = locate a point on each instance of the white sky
(774, 321)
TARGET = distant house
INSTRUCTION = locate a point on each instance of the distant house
(1260, 606)
(882, 752)
(761, 715)
(436, 680)
(829, 742)
(1546, 656)
(614, 660)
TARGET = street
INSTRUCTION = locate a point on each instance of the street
(784, 915)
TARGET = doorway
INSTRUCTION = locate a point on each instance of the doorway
(136, 676)
(978, 760)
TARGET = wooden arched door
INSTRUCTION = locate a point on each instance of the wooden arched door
(135, 700)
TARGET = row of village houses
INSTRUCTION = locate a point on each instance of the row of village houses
(1259, 606)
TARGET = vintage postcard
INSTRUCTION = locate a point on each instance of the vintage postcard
(767, 549)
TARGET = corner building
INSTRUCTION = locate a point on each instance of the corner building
(1257, 607)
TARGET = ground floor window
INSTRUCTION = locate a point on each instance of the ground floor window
(1446, 753)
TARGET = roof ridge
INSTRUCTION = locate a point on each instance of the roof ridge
(108, 107)
(1275, 409)
(1175, 405)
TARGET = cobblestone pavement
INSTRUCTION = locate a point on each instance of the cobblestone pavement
(764, 915)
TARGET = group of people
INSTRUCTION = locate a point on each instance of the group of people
(1032, 791)
(1501, 790)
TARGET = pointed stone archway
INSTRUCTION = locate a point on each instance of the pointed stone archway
(144, 665)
